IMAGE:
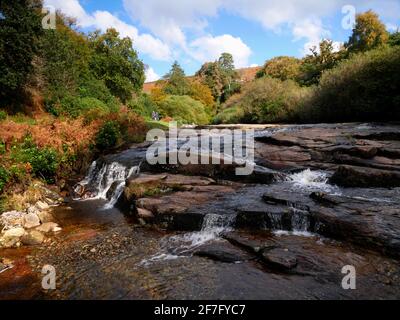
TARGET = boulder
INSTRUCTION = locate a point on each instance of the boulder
(11, 219)
(353, 176)
(32, 238)
(11, 238)
(42, 205)
(222, 252)
(31, 220)
(45, 216)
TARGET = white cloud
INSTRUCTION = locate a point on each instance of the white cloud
(145, 43)
(151, 75)
(168, 19)
(209, 48)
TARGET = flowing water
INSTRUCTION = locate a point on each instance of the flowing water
(135, 262)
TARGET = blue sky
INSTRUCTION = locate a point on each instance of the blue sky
(196, 31)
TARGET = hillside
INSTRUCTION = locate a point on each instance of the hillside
(245, 74)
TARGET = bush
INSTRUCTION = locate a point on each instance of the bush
(363, 88)
(43, 162)
(264, 100)
(142, 105)
(108, 135)
(3, 115)
(183, 109)
(4, 177)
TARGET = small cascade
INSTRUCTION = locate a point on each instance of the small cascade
(312, 180)
(105, 181)
(182, 245)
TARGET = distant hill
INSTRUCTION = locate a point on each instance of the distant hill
(245, 75)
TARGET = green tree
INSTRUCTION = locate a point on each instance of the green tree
(368, 33)
(117, 63)
(283, 68)
(221, 77)
(314, 64)
(20, 29)
(175, 81)
(394, 39)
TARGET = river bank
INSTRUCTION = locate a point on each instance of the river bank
(323, 197)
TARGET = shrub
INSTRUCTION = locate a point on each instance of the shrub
(42, 161)
(3, 115)
(108, 135)
(142, 105)
(363, 88)
(183, 109)
(264, 100)
(4, 177)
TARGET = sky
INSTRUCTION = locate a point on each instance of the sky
(196, 31)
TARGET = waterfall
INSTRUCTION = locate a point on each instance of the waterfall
(182, 245)
(105, 181)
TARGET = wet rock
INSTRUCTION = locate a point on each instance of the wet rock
(42, 205)
(279, 258)
(45, 216)
(248, 242)
(145, 214)
(32, 238)
(48, 227)
(222, 252)
(31, 220)
(351, 176)
(11, 238)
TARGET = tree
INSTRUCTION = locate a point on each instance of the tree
(314, 64)
(117, 63)
(283, 68)
(220, 76)
(176, 82)
(369, 32)
(394, 39)
(20, 30)
(201, 92)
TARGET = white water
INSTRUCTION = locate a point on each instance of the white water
(312, 180)
(100, 181)
(182, 245)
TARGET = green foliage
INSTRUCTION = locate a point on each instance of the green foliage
(20, 28)
(221, 77)
(44, 161)
(183, 109)
(368, 33)
(264, 100)
(3, 115)
(108, 135)
(363, 88)
(283, 68)
(4, 177)
(176, 82)
(394, 39)
(142, 105)
(317, 62)
(115, 62)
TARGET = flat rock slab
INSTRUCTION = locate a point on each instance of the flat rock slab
(280, 258)
(222, 251)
